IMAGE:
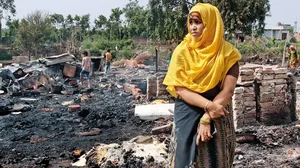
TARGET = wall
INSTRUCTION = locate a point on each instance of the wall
(264, 95)
(155, 88)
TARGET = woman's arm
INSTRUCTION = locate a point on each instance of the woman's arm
(226, 93)
(191, 97)
(214, 110)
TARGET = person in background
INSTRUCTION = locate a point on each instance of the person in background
(86, 68)
(108, 59)
(294, 58)
(202, 77)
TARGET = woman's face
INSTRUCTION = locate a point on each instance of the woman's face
(196, 25)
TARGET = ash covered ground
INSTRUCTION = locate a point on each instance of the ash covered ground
(46, 133)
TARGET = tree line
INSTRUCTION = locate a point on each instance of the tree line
(160, 21)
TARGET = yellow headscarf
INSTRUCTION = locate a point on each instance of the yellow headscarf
(200, 64)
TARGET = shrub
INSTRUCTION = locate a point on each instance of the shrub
(5, 56)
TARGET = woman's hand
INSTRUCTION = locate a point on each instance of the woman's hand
(216, 110)
(204, 134)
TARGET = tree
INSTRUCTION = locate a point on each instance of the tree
(6, 5)
(13, 27)
(100, 22)
(114, 23)
(69, 22)
(34, 31)
(58, 20)
(167, 18)
(136, 18)
(85, 22)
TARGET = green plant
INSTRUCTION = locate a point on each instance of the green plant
(127, 54)
(5, 56)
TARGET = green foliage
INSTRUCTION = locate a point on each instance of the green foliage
(5, 56)
(294, 40)
(161, 20)
(34, 30)
(99, 45)
(251, 48)
(126, 53)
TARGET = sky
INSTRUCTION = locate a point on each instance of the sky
(284, 11)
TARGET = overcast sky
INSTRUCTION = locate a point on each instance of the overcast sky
(284, 11)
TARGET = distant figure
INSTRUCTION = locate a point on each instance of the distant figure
(294, 58)
(86, 68)
(108, 59)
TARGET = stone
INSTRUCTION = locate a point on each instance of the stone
(245, 83)
(271, 109)
(280, 94)
(250, 121)
(266, 105)
(237, 97)
(250, 104)
(246, 78)
(239, 109)
(258, 70)
(258, 76)
(247, 72)
(266, 83)
(250, 110)
(266, 97)
(267, 71)
(280, 88)
(252, 98)
(250, 115)
(274, 81)
(249, 95)
(281, 76)
(239, 90)
(238, 103)
(266, 88)
(248, 90)
(281, 71)
(268, 77)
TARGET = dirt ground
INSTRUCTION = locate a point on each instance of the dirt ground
(46, 134)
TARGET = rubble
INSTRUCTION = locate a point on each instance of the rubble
(138, 152)
(53, 60)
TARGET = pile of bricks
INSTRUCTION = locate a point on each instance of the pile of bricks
(274, 96)
(155, 87)
(264, 95)
(244, 101)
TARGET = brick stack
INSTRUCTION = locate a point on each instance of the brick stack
(244, 103)
(273, 95)
(161, 88)
(151, 87)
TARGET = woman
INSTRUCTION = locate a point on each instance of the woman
(202, 77)
(293, 57)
